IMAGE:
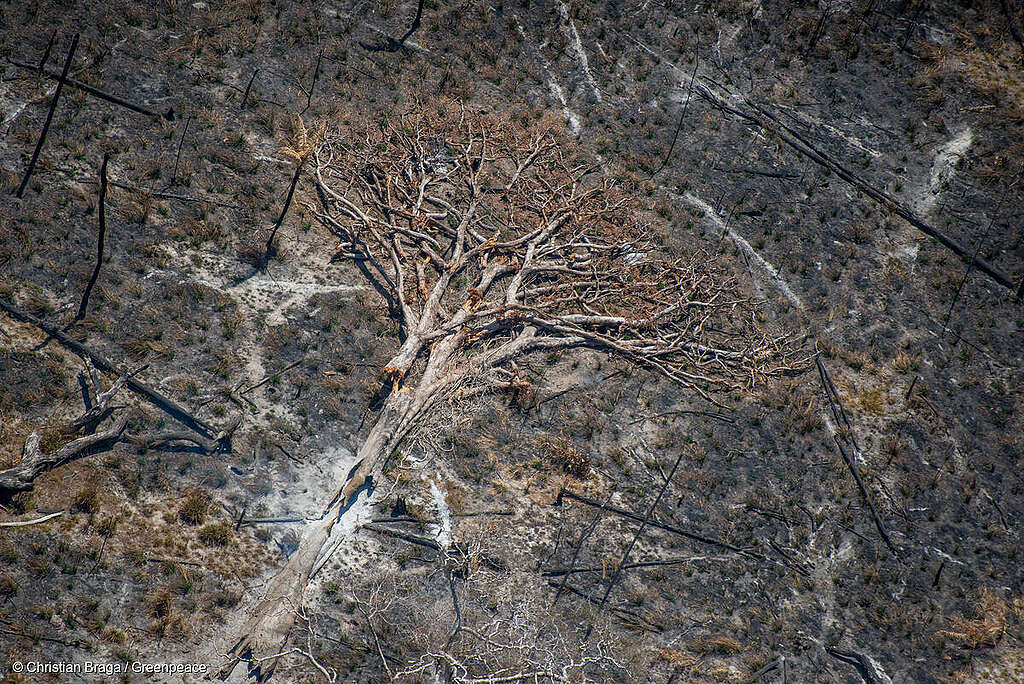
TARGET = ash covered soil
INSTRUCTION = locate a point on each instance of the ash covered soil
(856, 518)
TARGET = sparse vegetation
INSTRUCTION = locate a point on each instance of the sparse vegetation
(86, 500)
(528, 522)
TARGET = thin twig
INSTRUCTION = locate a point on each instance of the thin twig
(284, 211)
(312, 86)
(245, 97)
(174, 196)
(655, 523)
(46, 52)
(177, 156)
(271, 377)
(576, 551)
(682, 114)
(640, 530)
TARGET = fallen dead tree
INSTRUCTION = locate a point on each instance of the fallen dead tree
(49, 118)
(96, 92)
(648, 520)
(36, 460)
(843, 423)
(490, 242)
(162, 402)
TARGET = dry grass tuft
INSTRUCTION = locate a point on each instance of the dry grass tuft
(674, 657)
(194, 508)
(904, 363)
(566, 456)
(719, 644)
(216, 534)
(86, 501)
(166, 618)
(872, 401)
(986, 628)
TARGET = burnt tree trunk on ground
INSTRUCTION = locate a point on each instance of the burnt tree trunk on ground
(162, 402)
(760, 116)
(274, 615)
(177, 155)
(35, 461)
(96, 92)
(101, 210)
(49, 117)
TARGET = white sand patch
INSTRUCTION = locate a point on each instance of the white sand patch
(259, 293)
(272, 297)
(577, 46)
(943, 169)
(17, 107)
(444, 516)
(907, 242)
(315, 481)
(571, 117)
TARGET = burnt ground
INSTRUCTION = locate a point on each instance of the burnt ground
(922, 100)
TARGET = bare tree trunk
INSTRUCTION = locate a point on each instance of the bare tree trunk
(273, 617)
(478, 299)
(34, 462)
(99, 240)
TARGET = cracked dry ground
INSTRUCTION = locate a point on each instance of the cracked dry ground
(763, 560)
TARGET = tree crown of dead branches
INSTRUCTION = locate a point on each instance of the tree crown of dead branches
(500, 238)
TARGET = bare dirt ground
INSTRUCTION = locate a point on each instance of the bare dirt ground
(764, 559)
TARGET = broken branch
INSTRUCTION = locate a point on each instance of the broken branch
(162, 402)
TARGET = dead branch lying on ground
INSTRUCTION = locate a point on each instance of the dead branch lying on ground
(162, 402)
(842, 422)
(100, 239)
(96, 92)
(653, 522)
(36, 460)
(561, 572)
(49, 118)
(868, 670)
(762, 117)
(160, 439)
(174, 196)
(35, 521)
(405, 536)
